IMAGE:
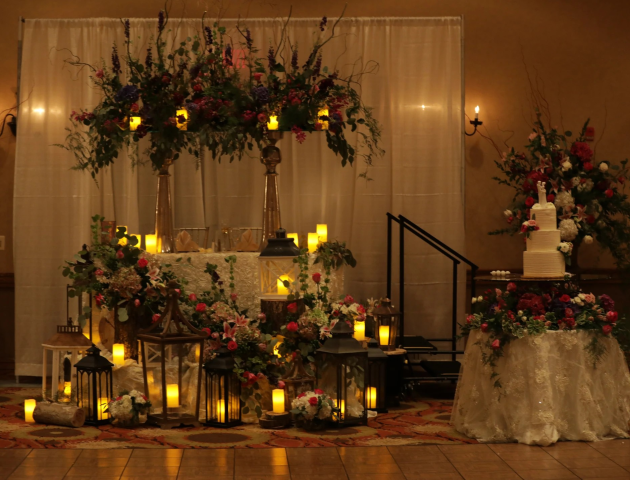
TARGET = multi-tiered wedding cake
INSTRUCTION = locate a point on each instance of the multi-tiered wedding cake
(542, 258)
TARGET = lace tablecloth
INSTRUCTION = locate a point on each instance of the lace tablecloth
(246, 275)
(550, 390)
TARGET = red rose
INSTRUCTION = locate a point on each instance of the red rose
(529, 201)
(232, 345)
(313, 401)
(197, 88)
(233, 296)
(136, 302)
(469, 319)
(569, 321)
(120, 255)
(510, 219)
(208, 332)
(134, 107)
(511, 287)
(292, 327)
(292, 307)
(302, 395)
(155, 318)
(484, 327)
(335, 313)
(568, 312)
(281, 384)
(348, 300)
(496, 344)
(590, 219)
(257, 76)
(317, 277)
(551, 197)
(582, 151)
(609, 193)
(588, 166)
(143, 262)
(201, 307)
(611, 317)
(531, 181)
(317, 391)
(607, 329)
(622, 179)
(565, 298)
(192, 297)
(262, 118)
(166, 79)
(98, 298)
(99, 73)
(98, 272)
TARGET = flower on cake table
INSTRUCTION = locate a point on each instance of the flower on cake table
(564, 199)
(588, 239)
(568, 230)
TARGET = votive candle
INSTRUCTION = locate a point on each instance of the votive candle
(272, 124)
(322, 232)
(184, 125)
(172, 395)
(278, 400)
(359, 331)
(134, 123)
(67, 388)
(29, 407)
(371, 397)
(383, 335)
(118, 352)
(323, 113)
(103, 403)
(150, 243)
(312, 242)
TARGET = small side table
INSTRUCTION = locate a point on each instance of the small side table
(395, 367)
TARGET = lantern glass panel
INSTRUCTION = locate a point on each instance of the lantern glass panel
(273, 272)
(387, 325)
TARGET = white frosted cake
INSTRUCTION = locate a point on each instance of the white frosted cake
(542, 258)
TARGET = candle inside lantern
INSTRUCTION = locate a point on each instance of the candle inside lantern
(278, 400)
(197, 352)
(322, 232)
(323, 113)
(371, 397)
(221, 410)
(182, 125)
(359, 331)
(312, 242)
(102, 406)
(383, 335)
(294, 236)
(122, 241)
(282, 290)
(477, 112)
(67, 388)
(272, 124)
(150, 243)
(118, 352)
(276, 347)
(153, 391)
(29, 406)
(342, 409)
(134, 123)
(172, 395)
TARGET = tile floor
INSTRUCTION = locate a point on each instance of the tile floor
(602, 460)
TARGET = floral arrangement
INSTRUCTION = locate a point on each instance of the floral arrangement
(127, 408)
(566, 249)
(517, 312)
(311, 410)
(588, 195)
(223, 91)
(529, 226)
(118, 274)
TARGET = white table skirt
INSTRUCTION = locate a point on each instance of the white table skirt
(246, 275)
(551, 391)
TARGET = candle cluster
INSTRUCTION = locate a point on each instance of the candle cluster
(313, 239)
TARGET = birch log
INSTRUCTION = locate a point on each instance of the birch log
(59, 414)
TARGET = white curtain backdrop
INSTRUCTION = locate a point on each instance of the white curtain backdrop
(420, 63)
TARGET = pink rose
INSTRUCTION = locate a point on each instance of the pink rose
(317, 277)
(233, 296)
(99, 73)
(607, 329)
(214, 335)
(511, 287)
(313, 401)
(136, 302)
(98, 298)
(98, 272)
(292, 327)
(348, 300)
(232, 345)
(496, 344)
(143, 262)
(155, 318)
(192, 297)
(292, 307)
(281, 384)
(200, 308)
(262, 317)
(120, 255)
(484, 327)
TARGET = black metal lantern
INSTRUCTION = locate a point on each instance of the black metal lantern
(341, 373)
(387, 325)
(375, 390)
(223, 391)
(94, 386)
(176, 341)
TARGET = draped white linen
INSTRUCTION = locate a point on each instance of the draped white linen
(420, 63)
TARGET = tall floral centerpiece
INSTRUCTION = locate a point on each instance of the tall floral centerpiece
(588, 195)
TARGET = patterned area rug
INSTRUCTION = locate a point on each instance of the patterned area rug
(413, 423)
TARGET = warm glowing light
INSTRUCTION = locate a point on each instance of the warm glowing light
(103, 403)
(359, 331)
(150, 243)
(312, 242)
(138, 237)
(383, 335)
(278, 400)
(29, 407)
(172, 395)
(323, 113)
(134, 123)
(39, 110)
(477, 109)
(282, 290)
(221, 411)
(322, 232)
(371, 397)
(118, 352)
(272, 124)
(276, 347)
(67, 388)
(197, 352)
(153, 391)
(184, 125)
(122, 241)
(295, 238)
(423, 107)
(342, 410)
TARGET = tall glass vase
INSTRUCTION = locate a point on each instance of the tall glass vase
(164, 212)
(270, 157)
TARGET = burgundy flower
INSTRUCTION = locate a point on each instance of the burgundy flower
(148, 61)
(531, 302)
(609, 193)
(612, 317)
(532, 179)
(201, 307)
(317, 277)
(292, 327)
(529, 201)
(582, 151)
(232, 345)
(607, 302)
(292, 307)
(607, 329)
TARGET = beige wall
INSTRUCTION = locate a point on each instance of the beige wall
(578, 47)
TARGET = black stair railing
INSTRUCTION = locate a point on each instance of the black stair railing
(457, 258)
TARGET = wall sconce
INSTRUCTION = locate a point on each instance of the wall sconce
(12, 124)
(474, 122)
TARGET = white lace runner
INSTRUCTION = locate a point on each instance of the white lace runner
(550, 391)
(246, 275)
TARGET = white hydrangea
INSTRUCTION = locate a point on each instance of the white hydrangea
(588, 239)
(587, 186)
(568, 230)
(603, 167)
(325, 412)
(564, 199)
(565, 247)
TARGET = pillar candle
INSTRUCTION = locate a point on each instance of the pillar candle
(322, 232)
(197, 352)
(67, 388)
(312, 242)
(153, 391)
(122, 241)
(221, 411)
(294, 236)
(102, 406)
(134, 123)
(29, 406)
(383, 335)
(359, 331)
(323, 113)
(118, 352)
(172, 395)
(272, 124)
(282, 290)
(278, 400)
(371, 397)
(150, 243)
(184, 125)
